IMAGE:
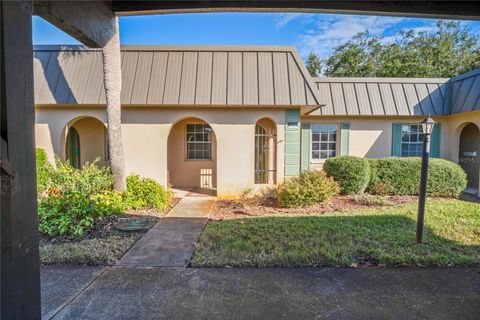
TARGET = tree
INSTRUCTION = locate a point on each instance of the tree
(446, 51)
(112, 74)
(314, 65)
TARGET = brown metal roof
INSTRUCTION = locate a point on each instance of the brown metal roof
(382, 96)
(180, 75)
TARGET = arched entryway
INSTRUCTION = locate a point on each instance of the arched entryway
(86, 141)
(192, 158)
(469, 154)
(265, 151)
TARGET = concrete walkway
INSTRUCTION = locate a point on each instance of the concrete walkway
(273, 293)
(170, 243)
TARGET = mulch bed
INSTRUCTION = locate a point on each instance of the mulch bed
(103, 244)
(226, 209)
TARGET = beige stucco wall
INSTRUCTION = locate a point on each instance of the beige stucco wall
(188, 173)
(453, 128)
(52, 125)
(145, 133)
(372, 137)
(92, 139)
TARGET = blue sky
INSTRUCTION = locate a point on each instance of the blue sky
(319, 33)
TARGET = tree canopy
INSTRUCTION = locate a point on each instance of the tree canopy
(447, 50)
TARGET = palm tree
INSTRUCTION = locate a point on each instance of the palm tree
(112, 75)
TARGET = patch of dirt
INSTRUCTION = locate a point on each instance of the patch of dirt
(226, 209)
(103, 244)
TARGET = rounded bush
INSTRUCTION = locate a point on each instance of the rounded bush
(145, 193)
(351, 173)
(401, 176)
(309, 188)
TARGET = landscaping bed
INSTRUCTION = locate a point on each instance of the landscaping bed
(380, 237)
(103, 244)
(226, 209)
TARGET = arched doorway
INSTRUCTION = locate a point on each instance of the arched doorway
(192, 159)
(469, 154)
(86, 141)
(265, 152)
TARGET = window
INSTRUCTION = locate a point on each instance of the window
(199, 142)
(324, 141)
(412, 140)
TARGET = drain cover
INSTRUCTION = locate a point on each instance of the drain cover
(134, 225)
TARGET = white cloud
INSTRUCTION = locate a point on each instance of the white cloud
(331, 31)
(284, 18)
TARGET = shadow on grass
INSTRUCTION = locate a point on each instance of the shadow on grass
(387, 239)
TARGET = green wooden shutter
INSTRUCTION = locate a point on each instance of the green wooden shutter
(435, 141)
(397, 140)
(292, 143)
(345, 139)
(306, 146)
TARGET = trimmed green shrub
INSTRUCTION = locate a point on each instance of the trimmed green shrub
(309, 188)
(401, 176)
(71, 212)
(90, 179)
(351, 173)
(44, 171)
(145, 193)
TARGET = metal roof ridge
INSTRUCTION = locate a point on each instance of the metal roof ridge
(196, 48)
(379, 80)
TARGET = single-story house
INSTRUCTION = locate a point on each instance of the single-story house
(241, 117)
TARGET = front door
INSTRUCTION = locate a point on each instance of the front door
(469, 154)
(73, 147)
(261, 152)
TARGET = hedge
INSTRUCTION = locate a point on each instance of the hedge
(401, 176)
(395, 176)
(351, 173)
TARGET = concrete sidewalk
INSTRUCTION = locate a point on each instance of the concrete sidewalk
(275, 293)
(170, 243)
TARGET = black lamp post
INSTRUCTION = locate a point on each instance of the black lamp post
(427, 126)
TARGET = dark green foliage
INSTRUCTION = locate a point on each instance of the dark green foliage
(145, 193)
(71, 212)
(309, 188)
(448, 50)
(351, 173)
(44, 170)
(401, 176)
(90, 179)
(76, 198)
(314, 65)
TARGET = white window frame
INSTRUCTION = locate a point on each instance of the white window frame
(337, 142)
(417, 140)
(195, 142)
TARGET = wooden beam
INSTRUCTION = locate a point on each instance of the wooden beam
(20, 273)
(426, 9)
(90, 22)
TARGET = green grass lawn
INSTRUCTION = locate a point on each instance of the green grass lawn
(386, 236)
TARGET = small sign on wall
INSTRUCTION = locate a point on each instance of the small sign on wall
(469, 153)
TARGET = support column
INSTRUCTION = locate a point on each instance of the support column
(112, 74)
(19, 267)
